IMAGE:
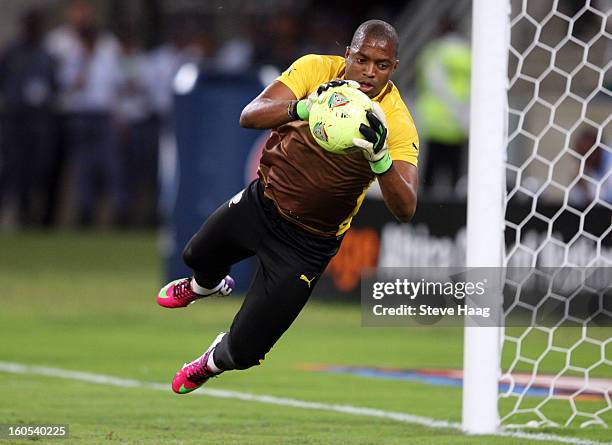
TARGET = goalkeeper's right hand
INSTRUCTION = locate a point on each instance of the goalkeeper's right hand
(300, 109)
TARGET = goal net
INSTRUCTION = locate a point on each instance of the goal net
(541, 108)
(557, 371)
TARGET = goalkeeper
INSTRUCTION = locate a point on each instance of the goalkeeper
(294, 216)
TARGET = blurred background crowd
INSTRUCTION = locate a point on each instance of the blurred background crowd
(86, 91)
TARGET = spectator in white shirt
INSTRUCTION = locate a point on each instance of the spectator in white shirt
(88, 76)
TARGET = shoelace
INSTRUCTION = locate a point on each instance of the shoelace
(199, 370)
(182, 291)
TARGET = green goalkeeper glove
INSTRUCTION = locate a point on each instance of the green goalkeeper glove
(374, 144)
(300, 109)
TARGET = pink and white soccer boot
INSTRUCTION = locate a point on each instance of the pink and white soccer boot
(178, 293)
(194, 374)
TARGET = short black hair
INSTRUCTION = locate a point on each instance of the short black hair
(376, 29)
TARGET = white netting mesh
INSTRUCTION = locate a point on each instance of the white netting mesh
(558, 209)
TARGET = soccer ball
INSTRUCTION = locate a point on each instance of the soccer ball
(335, 117)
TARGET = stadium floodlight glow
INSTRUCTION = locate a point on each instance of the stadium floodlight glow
(185, 78)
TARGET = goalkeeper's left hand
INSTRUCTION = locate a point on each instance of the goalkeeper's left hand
(374, 144)
(300, 109)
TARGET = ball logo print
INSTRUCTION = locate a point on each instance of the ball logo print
(337, 100)
(335, 118)
(318, 131)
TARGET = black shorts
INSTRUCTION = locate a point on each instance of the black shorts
(291, 261)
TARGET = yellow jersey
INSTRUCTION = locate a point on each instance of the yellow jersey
(317, 190)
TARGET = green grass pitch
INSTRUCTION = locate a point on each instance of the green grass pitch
(86, 302)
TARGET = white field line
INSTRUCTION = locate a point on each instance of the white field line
(101, 379)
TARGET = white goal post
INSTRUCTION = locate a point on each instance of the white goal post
(488, 116)
(540, 125)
